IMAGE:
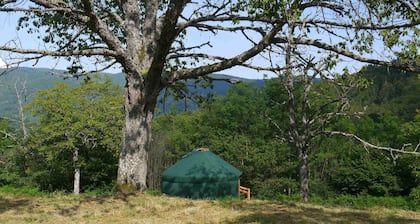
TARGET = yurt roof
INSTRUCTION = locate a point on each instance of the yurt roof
(200, 165)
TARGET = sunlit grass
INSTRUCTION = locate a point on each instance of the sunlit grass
(145, 208)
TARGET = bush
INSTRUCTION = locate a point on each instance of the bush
(154, 192)
(318, 188)
(288, 198)
(21, 191)
(366, 201)
(100, 191)
(271, 188)
(415, 194)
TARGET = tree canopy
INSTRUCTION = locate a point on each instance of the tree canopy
(79, 127)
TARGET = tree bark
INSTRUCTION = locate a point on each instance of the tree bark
(303, 174)
(137, 135)
(76, 183)
(132, 171)
(21, 95)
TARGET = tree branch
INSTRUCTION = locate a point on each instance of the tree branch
(8, 135)
(100, 27)
(5, 2)
(328, 47)
(86, 52)
(317, 22)
(228, 63)
(366, 144)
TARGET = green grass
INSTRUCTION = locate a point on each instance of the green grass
(366, 201)
(26, 191)
(358, 202)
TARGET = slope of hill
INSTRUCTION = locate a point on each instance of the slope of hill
(34, 79)
(26, 82)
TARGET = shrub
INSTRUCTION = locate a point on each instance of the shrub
(271, 188)
(367, 201)
(321, 189)
(154, 192)
(415, 194)
(100, 191)
(21, 191)
(288, 198)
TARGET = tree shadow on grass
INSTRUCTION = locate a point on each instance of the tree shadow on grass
(290, 213)
(66, 206)
(6, 204)
(71, 210)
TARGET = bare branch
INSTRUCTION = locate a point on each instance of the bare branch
(328, 47)
(281, 130)
(85, 52)
(196, 55)
(10, 119)
(318, 23)
(230, 80)
(36, 10)
(273, 68)
(366, 144)
(411, 6)
(8, 135)
(228, 63)
(21, 97)
(172, 52)
(214, 28)
(227, 18)
(5, 2)
(101, 28)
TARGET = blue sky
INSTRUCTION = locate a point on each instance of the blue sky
(223, 44)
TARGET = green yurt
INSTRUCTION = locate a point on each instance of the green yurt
(201, 174)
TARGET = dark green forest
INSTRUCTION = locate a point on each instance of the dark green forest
(242, 126)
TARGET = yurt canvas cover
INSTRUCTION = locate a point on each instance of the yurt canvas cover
(201, 174)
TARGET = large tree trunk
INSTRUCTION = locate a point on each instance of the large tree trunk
(303, 174)
(137, 135)
(142, 72)
(132, 170)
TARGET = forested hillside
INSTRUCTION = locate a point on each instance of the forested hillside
(28, 81)
(242, 126)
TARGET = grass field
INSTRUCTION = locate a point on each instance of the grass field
(65, 209)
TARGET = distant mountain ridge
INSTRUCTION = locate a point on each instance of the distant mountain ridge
(36, 79)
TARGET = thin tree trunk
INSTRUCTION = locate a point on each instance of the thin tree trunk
(21, 95)
(303, 174)
(76, 183)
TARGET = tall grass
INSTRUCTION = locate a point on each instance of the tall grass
(359, 201)
(366, 201)
(26, 191)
